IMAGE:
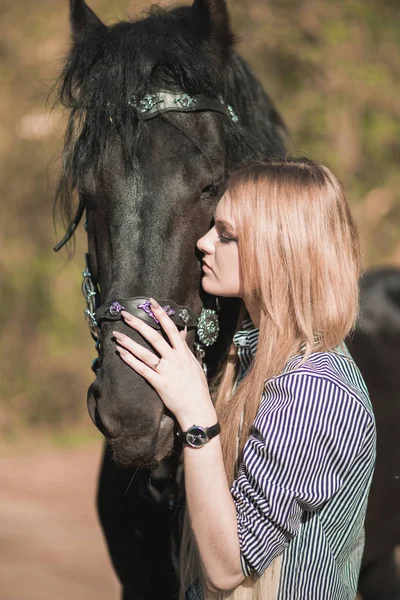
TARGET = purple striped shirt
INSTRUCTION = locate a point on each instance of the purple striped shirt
(302, 488)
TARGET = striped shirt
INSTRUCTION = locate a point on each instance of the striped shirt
(302, 488)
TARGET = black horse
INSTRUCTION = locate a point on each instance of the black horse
(149, 181)
(160, 110)
(376, 350)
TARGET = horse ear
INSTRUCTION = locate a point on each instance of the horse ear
(210, 21)
(82, 19)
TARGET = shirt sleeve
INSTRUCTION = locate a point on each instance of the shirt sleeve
(307, 433)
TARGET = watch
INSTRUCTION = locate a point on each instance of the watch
(197, 436)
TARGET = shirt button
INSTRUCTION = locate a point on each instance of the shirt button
(242, 342)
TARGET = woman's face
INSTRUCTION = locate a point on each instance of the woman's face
(222, 276)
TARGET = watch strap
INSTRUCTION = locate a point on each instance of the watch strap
(213, 431)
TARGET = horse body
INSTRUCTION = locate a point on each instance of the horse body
(149, 188)
(375, 348)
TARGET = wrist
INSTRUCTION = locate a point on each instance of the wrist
(203, 418)
(197, 436)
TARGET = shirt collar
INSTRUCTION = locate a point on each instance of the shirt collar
(247, 336)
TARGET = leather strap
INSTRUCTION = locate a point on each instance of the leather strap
(213, 431)
(182, 316)
(162, 101)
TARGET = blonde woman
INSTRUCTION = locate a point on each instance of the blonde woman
(276, 501)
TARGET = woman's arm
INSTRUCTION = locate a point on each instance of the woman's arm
(182, 385)
(212, 511)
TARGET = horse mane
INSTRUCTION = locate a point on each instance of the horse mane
(128, 60)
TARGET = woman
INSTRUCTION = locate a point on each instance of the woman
(277, 501)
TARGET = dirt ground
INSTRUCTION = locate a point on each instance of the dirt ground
(51, 545)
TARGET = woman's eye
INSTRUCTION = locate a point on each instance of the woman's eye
(225, 240)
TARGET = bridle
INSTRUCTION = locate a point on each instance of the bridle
(206, 325)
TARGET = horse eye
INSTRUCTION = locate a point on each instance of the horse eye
(213, 189)
(209, 190)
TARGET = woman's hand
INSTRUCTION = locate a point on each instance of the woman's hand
(177, 376)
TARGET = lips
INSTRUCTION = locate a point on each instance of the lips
(206, 265)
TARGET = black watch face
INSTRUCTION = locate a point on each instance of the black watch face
(196, 437)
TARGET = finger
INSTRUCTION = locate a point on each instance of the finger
(151, 335)
(140, 367)
(136, 349)
(167, 324)
(183, 333)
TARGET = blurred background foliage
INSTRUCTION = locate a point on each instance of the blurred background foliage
(331, 68)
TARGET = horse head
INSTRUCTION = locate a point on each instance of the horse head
(160, 109)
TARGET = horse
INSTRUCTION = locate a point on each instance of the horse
(375, 347)
(160, 110)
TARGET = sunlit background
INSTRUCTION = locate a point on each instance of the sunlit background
(332, 70)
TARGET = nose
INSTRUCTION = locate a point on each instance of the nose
(104, 420)
(206, 243)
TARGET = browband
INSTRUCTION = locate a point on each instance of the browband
(161, 102)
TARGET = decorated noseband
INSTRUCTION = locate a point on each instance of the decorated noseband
(206, 325)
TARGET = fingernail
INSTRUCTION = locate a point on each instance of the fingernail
(126, 315)
(117, 335)
(154, 303)
(121, 351)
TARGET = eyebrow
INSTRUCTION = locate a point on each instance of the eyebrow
(221, 221)
(224, 224)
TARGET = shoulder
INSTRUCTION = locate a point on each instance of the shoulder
(326, 382)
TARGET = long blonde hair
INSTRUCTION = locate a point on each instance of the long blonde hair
(300, 261)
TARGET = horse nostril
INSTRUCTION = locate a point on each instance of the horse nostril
(104, 421)
(99, 424)
(91, 404)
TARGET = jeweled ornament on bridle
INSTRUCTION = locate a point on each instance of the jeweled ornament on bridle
(206, 325)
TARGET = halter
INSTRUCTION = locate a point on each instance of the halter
(206, 325)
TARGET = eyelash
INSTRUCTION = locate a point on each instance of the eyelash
(222, 238)
(225, 240)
